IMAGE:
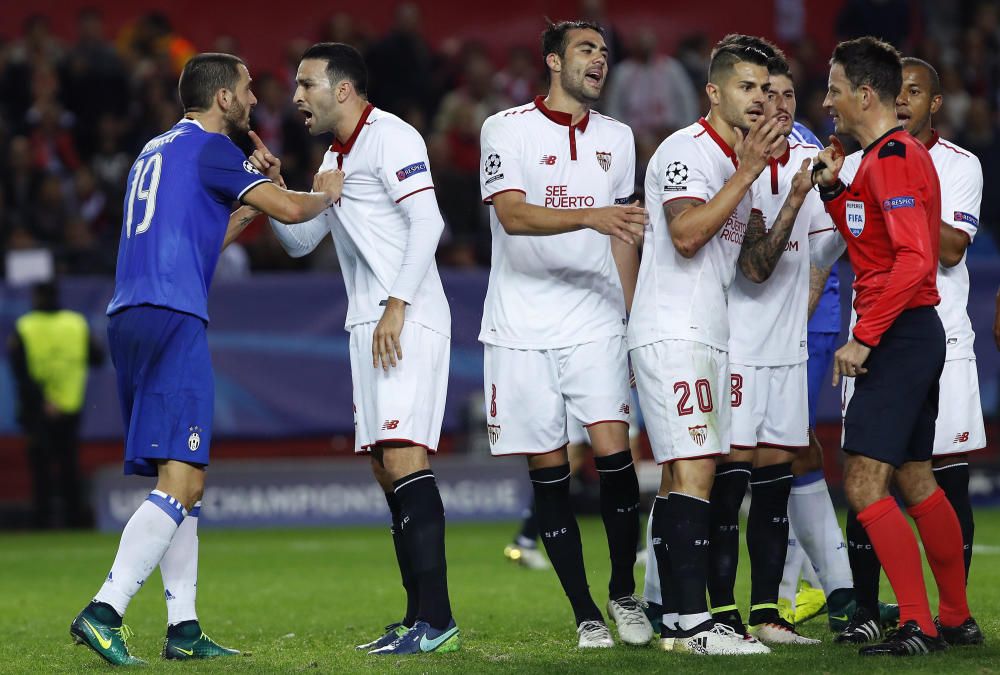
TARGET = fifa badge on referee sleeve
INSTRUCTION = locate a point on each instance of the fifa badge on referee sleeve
(855, 214)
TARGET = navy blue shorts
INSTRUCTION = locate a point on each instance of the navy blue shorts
(165, 386)
(892, 413)
(821, 349)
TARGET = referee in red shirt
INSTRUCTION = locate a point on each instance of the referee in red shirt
(890, 218)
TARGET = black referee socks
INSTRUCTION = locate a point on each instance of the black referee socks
(423, 534)
(620, 511)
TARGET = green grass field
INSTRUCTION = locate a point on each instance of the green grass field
(299, 600)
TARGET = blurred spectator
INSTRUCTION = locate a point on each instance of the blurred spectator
(594, 11)
(50, 352)
(150, 44)
(519, 80)
(651, 93)
(890, 20)
(399, 65)
(979, 136)
(53, 148)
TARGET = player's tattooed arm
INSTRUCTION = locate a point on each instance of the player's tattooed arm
(762, 248)
(238, 221)
(817, 283)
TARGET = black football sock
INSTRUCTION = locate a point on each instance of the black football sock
(865, 566)
(728, 490)
(403, 560)
(423, 532)
(529, 527)
(767, 538)
(687, 520)
(620, 511)
(660, 534)
(954, 480)
(561, 537)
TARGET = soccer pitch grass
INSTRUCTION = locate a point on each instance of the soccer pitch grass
(300, 600)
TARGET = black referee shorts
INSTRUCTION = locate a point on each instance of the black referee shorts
(892, 414)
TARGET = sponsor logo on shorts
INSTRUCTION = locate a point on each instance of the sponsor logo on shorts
(699, 434)
(194, 440)
(548, 160)
(493, 430)
(962, 437)
(604, 159)
(389, 425)
(964, 217)
(411, 170)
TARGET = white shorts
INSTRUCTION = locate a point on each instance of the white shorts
(684, 392)
(960, 414)
(530, 393)
(577, 433)
(770, 406)
(405, 404)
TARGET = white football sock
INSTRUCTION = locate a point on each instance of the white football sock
(811, 514)
(179, 569)
(651, 589)
(145, 539)
(794, 559)
(689, 621)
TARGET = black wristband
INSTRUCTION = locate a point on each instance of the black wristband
(830, 192)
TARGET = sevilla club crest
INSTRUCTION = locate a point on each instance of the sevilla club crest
(604, 159)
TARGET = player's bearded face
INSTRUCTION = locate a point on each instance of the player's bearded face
(315, 96)
(780, 102)
(238, 115)
(743, 94)
(585, 66)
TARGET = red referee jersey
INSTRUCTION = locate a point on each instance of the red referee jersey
(890, 217)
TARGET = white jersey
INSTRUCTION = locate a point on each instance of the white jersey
(561, 290)
(769, 319)
(385, 160)
(961, 177)
(685, 298)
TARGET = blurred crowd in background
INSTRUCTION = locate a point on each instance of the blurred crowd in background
(74, 114)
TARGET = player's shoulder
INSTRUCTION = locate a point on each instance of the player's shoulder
(609, 125)
(691, 141)
(512, 117)
(954, 155)
(387, 125)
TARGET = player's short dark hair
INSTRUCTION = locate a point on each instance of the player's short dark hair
(343, 62)
(738, 48)
(932, 73)
(555, 37)
(205, 74)
(873, 62)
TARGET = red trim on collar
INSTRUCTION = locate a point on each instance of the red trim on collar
(773, 163)
(344, 148)
(934, 139)
(725, 147)
(566, 120)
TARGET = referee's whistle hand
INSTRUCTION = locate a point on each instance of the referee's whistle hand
(849, 361)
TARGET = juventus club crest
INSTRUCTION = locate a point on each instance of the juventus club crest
(604, 159)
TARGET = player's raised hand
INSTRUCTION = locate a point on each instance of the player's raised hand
(754, 149)
(828, 163)
(265, 161)
(628, 223)
(802, 180)
(330, 182)
(849, 360)
(386, 347)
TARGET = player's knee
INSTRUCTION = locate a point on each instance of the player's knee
(694, 477)
(807, 460)
(915, 481)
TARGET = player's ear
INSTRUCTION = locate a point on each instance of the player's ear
(223, 97)
(343, 91)
(553, 62)
(713, 93)
(936, 102)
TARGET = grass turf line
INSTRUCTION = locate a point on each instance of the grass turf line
(300, 600)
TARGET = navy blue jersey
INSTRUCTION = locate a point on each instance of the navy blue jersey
(178, 199)
(826, 318)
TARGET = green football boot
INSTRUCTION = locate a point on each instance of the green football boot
(187, 641)
(99, 627)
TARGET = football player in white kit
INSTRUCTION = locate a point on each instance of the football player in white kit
(386, 227)
(959, 428)
(767, 352)
(700, 182)
(559, 176)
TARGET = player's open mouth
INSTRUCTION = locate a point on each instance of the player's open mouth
(308, 115)
(595, 76)
(783, 118)
(902, 115)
